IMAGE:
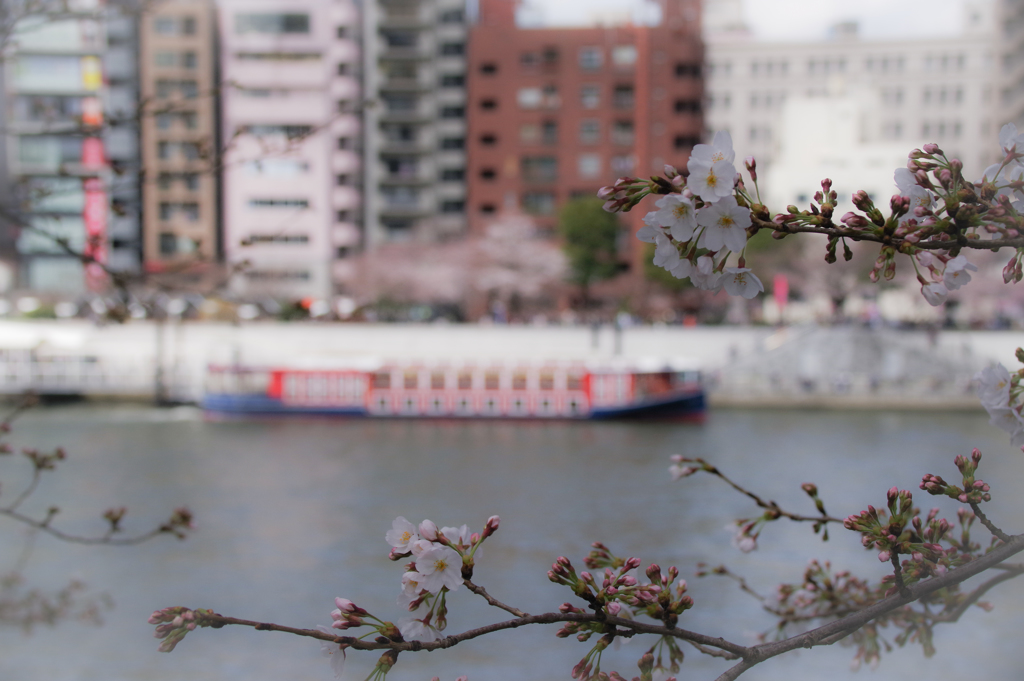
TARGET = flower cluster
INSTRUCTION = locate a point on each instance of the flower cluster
(1000, 394)
(441, 560)
(618, 592)
(173, 623)
(974, 491)
(696, 230)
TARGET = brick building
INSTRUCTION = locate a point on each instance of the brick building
(556, 113)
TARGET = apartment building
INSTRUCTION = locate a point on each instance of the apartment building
(415, 143)
(71, 166)
(290, 123)
(180, 148)
(944, 89)
(556, 113)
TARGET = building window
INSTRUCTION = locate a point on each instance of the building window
(343, 216)
(341, 33)
(589, 165)
(529, 98)
(187, 211)
(168, 243)
(591, 58)
(529, 133)
(453, 206)
(488, 139)
(590, 131)
(488, 174)
(682, 142)
(539, 203)
(622, 97)
(453, 112)
(488, 208)
(188, 60)
(622, 165)
(539, 168)
(690, 69)
(624, 55)
(489, 68)
(271, 23)
(488, 104)
(452, 49)
(549, 132)
(343, 69)
(687, 106)
(344, 143)
(278, 203)
(453, 174)
(343, 180)
(165, 59)
(529, 60)
(453, 80)
(590, 96)
(622, 132)
(452, 16)
(453, 143)
(164, 120)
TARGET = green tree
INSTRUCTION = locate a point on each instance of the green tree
(590, 237)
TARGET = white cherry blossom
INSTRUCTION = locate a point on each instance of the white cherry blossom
(720, 149)
(956, 274)
(416, 630)
(1008, 138)
(678, 214)
(994, 386)
(665, 254)
(935, 294)
(402, 534)
(725, 224)
(439, 566)
(711, 182)
(1002, 175)
(333, 651)
(651, 229)
(457, 535)
(703, 275)
(740, 281)
(682, 269)
(1008, 419)
(410, 588)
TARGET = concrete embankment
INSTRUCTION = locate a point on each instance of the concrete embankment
(843, 367)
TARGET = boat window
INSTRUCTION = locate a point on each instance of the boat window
(382, 380)
(547, 381)
(519, 381)
(491, 380)
(410, 380)
(573, 382)
(653, 384)
(465, 380)
(437, 380)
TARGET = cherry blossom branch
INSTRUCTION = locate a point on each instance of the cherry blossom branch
(179, 522)
(972, 598)
(1002, 536)
(839, 629)
(769, 505)
(630, 627)
(480, 591)
(894, 241)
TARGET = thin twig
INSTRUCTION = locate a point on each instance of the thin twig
(480, 591)
(44, 526)
(1002, 536)
(768, 505)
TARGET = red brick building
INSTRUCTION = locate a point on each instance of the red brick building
(558, 113)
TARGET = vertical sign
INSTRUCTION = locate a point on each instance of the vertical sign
(94, 215)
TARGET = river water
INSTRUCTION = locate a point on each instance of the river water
(292, 513)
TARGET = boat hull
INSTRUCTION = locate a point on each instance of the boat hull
(688, 406)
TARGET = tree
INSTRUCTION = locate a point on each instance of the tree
(590, 241)
(926, 558)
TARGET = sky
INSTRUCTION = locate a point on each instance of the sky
(796, 19)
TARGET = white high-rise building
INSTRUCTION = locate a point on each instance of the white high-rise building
(290, 125)
(890, 93)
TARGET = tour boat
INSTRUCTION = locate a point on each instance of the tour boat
(663, 390)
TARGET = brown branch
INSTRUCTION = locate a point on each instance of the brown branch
(44, 526)
(895, 242)
(480, 591)
(767, 505)
(839, 629)
(1002, 536)
(735, 650)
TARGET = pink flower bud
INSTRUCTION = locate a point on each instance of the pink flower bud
(492, 525)
(428, 530)
(344, 605)
(884, 556)
(614, 608)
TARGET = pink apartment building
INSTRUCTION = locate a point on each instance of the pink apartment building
(290, 126)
